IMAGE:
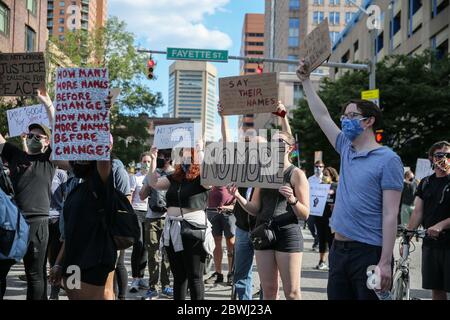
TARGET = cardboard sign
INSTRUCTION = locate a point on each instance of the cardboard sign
(81, 128)
(20, 118)
(21, 74)
(249, 94)
(316, 48)
(318, 198)
(181, 135)
(245, 164)
(423, 169)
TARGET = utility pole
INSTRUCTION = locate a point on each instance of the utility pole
(272, 33)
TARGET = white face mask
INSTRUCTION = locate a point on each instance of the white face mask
(318, 171)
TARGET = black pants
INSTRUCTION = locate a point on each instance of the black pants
(121, 276)
(35, 260)
(311, 222)
(139, 254)
(347, 279)
(54, 246)
(187, 268)
(324, 234)
(5, 266)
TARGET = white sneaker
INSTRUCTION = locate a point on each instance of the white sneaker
(323, 266)
(135, 285)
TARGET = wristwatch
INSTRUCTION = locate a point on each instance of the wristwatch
(293, 203)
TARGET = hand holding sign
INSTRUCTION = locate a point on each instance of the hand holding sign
(303, 71)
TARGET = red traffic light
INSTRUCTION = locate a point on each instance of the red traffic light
(379, 136)
(151, 64)
(259, 69)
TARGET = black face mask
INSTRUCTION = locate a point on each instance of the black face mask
(160, 163)
(82, 171)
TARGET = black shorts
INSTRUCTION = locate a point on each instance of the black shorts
(95, 276)
(223, 223)
(436, 269)
(288, 239)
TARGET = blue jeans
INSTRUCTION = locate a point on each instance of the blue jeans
(243, 260)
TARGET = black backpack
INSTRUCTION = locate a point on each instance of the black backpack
(120, 219)
(5, 181)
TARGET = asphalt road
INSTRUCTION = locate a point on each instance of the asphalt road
(313, 283)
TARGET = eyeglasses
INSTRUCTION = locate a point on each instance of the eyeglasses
(319, 166)
(38, 136)
(351, 116)
(440, 155)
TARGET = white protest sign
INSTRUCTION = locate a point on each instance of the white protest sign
(81, 128)
(20, 118)
(318, 198)
(180, 135)
(423, 169)
(245, 164)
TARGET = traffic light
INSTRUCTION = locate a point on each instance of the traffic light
(151, 64)
(379, 135)
(259, 69)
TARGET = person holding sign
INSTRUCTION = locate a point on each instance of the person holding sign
(186, 200)
(368, 197)
(432, 210)
(278, 213)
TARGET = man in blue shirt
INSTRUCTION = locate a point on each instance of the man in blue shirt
(368, 197)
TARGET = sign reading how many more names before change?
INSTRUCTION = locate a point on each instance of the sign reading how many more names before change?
(21, 74)
(256, 93)
(81, 128)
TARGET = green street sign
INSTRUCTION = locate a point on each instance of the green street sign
(197, 54)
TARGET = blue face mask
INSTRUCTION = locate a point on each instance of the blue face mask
(185, 167)
(351, 128)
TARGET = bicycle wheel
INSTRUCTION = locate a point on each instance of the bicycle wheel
(399, 287)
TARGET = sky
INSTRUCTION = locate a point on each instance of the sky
(203, 24)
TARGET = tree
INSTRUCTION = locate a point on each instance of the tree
(113, 47)
(415, 97)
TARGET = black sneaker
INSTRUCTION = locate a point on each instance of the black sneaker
(230, 279)
(215, 278)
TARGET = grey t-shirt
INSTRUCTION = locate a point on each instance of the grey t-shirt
(358, 211)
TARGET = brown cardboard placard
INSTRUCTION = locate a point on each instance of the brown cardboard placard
(249, 94)
(245, 164)
(316, 48)
(21, 74)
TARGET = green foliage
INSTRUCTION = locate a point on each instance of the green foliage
(415, 97)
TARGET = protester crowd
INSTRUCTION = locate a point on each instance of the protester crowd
(182, 222)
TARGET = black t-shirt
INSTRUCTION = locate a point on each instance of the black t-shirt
(88, 242)
(32, 177)
(191, 194)
(409, 190)
(244, 221)
(436, 207)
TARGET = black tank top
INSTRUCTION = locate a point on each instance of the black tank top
(274, 205)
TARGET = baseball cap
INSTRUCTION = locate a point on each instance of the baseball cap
(42, 127)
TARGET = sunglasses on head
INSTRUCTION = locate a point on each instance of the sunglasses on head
(440, 155)
(38, 136)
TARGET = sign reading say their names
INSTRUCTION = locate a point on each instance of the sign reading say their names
(21, 74)
(318, 198)
(20, 118)
(245, 164)
(81, 128)
(180, 135)
(423, 169)
(316, 48)
(249, 94)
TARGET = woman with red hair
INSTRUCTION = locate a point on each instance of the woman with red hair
(186, 199)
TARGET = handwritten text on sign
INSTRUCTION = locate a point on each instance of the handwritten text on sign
(180, 135)
(249, 94)
(21, 74)
(20, 118)
(245, 164)
(316, 48)
(81, 128)
(318, 198)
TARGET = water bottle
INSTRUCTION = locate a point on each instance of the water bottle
(373, 280)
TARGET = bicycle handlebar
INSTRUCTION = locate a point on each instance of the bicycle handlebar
(411, 233)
